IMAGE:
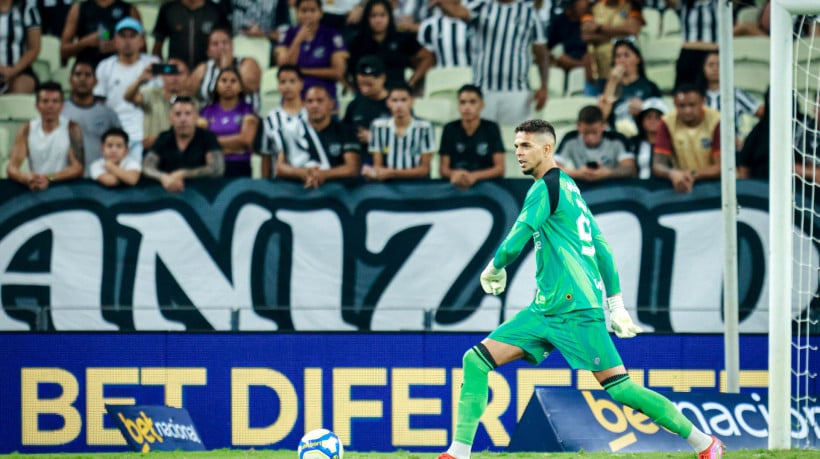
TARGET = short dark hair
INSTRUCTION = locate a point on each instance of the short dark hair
(323, 88)
(536, 126)
(49, 86)
(471, 88)
(116, 132)
(290, 68)
(299, 2)
(182, 100)
(399, 86)
(590, 114)
(80, 62)
(683, 88)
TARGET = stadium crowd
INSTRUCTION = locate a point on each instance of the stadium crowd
(368, 90)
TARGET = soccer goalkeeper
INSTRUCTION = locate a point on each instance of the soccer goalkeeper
(574, 266)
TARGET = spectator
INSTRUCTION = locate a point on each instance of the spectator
(471, 147)
(116, 73)
(335, 15)
(93, 116)
(745, 104)
(51, 143)
(220, 56)
(699, 29)
(370, 102)
(260, 18)
(398, 50)
(318, 50)
(285, 117)
(626, 88)
(88, 34)
(649, 120)
(688, 143)
(53, 15)
(608, 20)
(504, 31)
(155, 99)
(115, 167)
(184, 151)
(19, 46)
(591, 153)
(319, 148)
(565, 30)
(402, 145)
(186, 25)
(449, 39)
(234, 122)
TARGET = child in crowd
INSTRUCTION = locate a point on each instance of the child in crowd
(115, 167)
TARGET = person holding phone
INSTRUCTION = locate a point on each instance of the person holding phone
(152, 93)
(591, 153)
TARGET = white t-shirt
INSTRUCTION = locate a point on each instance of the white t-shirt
(113, 78)
(128, 163)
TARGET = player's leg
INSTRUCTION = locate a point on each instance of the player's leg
(511, 341)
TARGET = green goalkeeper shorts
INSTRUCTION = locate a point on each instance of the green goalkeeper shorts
(581, 336)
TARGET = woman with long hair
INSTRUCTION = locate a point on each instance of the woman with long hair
(233, 120)
(221, 55)
(626, 88)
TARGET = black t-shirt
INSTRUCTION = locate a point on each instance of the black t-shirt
(171, 159)
(395, 51)
(337, 139)
(52, 16)
(363, 110)
(96, 19)
(562, 31)
(187, 30)
(474, 152)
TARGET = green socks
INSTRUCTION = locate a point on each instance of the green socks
(649, 402)
(477, 364)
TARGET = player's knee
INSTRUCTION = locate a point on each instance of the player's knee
(620, 388)
(478, 357)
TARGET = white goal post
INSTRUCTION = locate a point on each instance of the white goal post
(781, 215)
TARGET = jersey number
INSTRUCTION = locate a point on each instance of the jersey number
(585, 235)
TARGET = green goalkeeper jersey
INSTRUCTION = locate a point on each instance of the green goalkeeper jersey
(574, 264)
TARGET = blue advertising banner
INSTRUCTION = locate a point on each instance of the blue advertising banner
(377, 391)
(567, 420)
(257, 255)
(149, 428)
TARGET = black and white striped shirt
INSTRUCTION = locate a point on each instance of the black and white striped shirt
(275, 124)
(14, 26)
(504, 33)
(449, 39)
(698, 20)
(744, 103)
(402, 152)
(325, 149)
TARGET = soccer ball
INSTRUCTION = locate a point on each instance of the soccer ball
(320, 444)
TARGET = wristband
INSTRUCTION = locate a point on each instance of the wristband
(615, 302)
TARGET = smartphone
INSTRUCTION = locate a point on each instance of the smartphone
(593, 164)
(164, 69)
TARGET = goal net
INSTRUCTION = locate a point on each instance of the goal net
(794, 359)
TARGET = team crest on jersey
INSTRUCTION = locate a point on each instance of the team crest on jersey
(319, 52)
(460, 147)
(207, 26)
(335, 149)
(116, 13)
(705, 142)
(482, 149)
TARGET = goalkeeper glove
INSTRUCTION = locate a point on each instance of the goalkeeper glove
(493, 280)
(619, 318)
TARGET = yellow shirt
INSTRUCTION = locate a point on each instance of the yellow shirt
(692, 146)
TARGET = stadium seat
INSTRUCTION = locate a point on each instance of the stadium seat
(438, 110)
(557, 81)
(754, 49)
(663, 76)
(270, 82)
(752, 77)
(576, 82)
(445, 81)
(255, 47)
(41, 69)
(61, 75)
(664, 50)
(6, 141)
(18, 107)
(562, 112)
(670, 23)
(652, 24)
(748, 14)
(435, 162)
(148, 14)
(50, 52)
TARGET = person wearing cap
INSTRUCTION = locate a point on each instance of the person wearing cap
(627, 78)
(591, 153)
(471, 147)
(88, 34)
(19, 46)
(370, 102)
(648, 121)
(688, 144)
(116, 73)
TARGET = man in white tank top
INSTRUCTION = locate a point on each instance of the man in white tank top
(51, 143)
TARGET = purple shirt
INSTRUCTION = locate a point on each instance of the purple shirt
(316, 53)
(222, 122)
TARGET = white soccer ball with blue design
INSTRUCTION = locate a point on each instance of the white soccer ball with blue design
(320, 444)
